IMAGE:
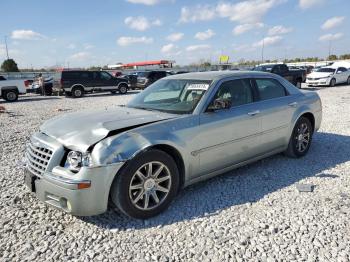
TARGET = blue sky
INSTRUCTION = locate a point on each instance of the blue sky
(85, 33)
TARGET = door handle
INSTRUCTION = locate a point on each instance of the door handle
(253, 113)
(293, 104)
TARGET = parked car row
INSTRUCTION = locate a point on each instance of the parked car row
(76, 83)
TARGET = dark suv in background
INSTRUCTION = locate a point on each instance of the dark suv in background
(296, 77)
(76, 83)
(146, 78)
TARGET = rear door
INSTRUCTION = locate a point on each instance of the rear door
(85, 78)
(229, 136)
(342, 75)
(276, 107)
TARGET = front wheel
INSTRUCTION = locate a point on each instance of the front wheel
(300, 139)
(146, 185)
(332, 83)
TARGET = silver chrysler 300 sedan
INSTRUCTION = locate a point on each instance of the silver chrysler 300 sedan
(180, 130)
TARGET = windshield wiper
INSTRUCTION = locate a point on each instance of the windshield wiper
(145, 108)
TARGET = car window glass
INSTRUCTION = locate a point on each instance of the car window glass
(235, 92)
(105, 76)
(71, 75)
(270, 88)
(84, 75)
(283, 68)
(342, 69)
(276, 69)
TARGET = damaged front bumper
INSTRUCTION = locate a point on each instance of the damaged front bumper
(83, 194)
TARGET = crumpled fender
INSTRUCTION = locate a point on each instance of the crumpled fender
(125, 146)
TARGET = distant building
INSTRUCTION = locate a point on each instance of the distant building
(144, 65)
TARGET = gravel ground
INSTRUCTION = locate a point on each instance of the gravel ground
(253, 213)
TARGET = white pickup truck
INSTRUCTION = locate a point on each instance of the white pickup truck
(10, 89)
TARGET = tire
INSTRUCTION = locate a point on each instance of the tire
(78, 92)
(129, 190)
(348, 81)
(123, 89)
(48, 91)
(297, 147)
(332, 82)
(298, 83)
(10, 95)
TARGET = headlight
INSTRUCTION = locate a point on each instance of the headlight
(76, 160)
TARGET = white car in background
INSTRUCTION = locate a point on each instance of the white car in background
(328, 76)
(10, 89)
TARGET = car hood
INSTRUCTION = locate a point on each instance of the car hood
(319, 74)
(78, 131)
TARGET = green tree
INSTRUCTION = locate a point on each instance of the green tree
(9, 65)
(345, 56)
(332, 57)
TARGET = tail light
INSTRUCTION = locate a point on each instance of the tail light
(26, 83)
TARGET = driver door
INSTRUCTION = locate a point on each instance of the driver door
(229, 136)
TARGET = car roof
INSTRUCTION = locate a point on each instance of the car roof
(217, 75)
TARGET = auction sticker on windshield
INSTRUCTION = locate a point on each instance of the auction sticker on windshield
(198, 86)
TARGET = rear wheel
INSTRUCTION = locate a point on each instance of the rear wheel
(77, 92)
(10, 95)
(300, 139)
(333, 82)
(123, 89)
(146, 186)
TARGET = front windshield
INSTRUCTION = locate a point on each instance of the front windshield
(326, 70)
(178, 96)
(263, 68)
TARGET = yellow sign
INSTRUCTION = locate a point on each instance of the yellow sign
(224, 58)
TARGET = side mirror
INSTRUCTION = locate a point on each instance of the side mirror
(219, 104)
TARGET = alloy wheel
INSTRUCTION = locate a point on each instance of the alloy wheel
(150, 185)
(302, 137)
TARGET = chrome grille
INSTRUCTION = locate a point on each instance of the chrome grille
(38, 158)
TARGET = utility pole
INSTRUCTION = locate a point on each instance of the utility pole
(262, 51)
(329, 48)
(7, 51)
